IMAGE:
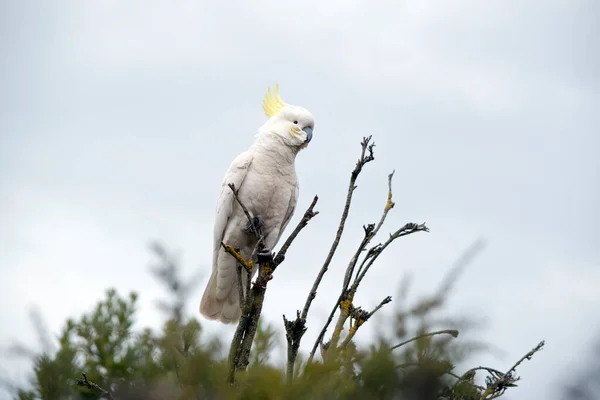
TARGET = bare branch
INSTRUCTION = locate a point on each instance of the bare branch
(247, 264)
(345, 296)
(253, 227)
(407, 229)
(362, 161)
(452, 332)
(370, 232)
(459, 378)
(308, 215)
(527, 356)
(498, 382)
(239, 267)
(260, 245)
(358, 317)
(294, 330)
(365, 158)
(239, 352)
(383, 302)
(83, 381)
(345, 299)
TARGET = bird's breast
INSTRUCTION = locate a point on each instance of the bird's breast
(268, 195)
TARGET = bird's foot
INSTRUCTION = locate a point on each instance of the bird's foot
(264, 256)
(257, 222)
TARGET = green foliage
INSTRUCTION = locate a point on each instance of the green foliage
(264, 343)
(179, 362)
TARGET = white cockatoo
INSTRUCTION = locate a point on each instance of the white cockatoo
(265, 178)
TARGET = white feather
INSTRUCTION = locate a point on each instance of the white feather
(265, 177)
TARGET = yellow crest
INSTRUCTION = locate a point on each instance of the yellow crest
(272, 103)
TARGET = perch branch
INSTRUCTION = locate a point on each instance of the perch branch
(247, 264)
(253, 227)
(239, 352)
(239, 267)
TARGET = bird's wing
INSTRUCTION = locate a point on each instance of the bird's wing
(236, 174)
(290, 209)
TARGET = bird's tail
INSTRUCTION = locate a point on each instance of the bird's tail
(226, 310)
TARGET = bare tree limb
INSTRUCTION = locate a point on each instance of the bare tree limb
(388, 206)
(239, 352)
(452, 332)
(527, 356)
(358, 317)
(362, 161)
(253, 226)
(407, 229)
(498, 382)
(239, 267)
(452, 374)
(344, 301)
(247, 264)
(365, 158)
(346, 298)
(83, 381)
(308, 215)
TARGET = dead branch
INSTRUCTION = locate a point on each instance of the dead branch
(452, 332)
(498, 382)
(308, 215)
(407, 229)
(452, 374)
(248, 264)
(242, 297)
(358, 317)
(83, 381)
(362, 161)
(239, 352)
(365, 158)
(344, 301)
(253, 227)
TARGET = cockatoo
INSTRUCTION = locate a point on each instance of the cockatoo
(265, 178)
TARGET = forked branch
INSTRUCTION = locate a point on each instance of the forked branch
(295, 329)
(252, 302)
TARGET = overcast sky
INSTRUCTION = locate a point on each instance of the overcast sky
(118, 120)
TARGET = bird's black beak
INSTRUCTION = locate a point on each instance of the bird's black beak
(308, 130)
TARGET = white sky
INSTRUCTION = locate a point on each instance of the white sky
(118, 120)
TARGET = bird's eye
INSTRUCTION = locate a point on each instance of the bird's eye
(296, 122)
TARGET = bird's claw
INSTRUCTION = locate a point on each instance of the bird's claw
(264, 256)
(257, 222)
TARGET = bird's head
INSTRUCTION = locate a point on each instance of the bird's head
(292, 124)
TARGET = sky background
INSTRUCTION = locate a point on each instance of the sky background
(118, 120)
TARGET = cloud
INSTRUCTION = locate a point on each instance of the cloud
(119, 119)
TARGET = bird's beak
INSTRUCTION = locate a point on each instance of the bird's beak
(308, 130)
